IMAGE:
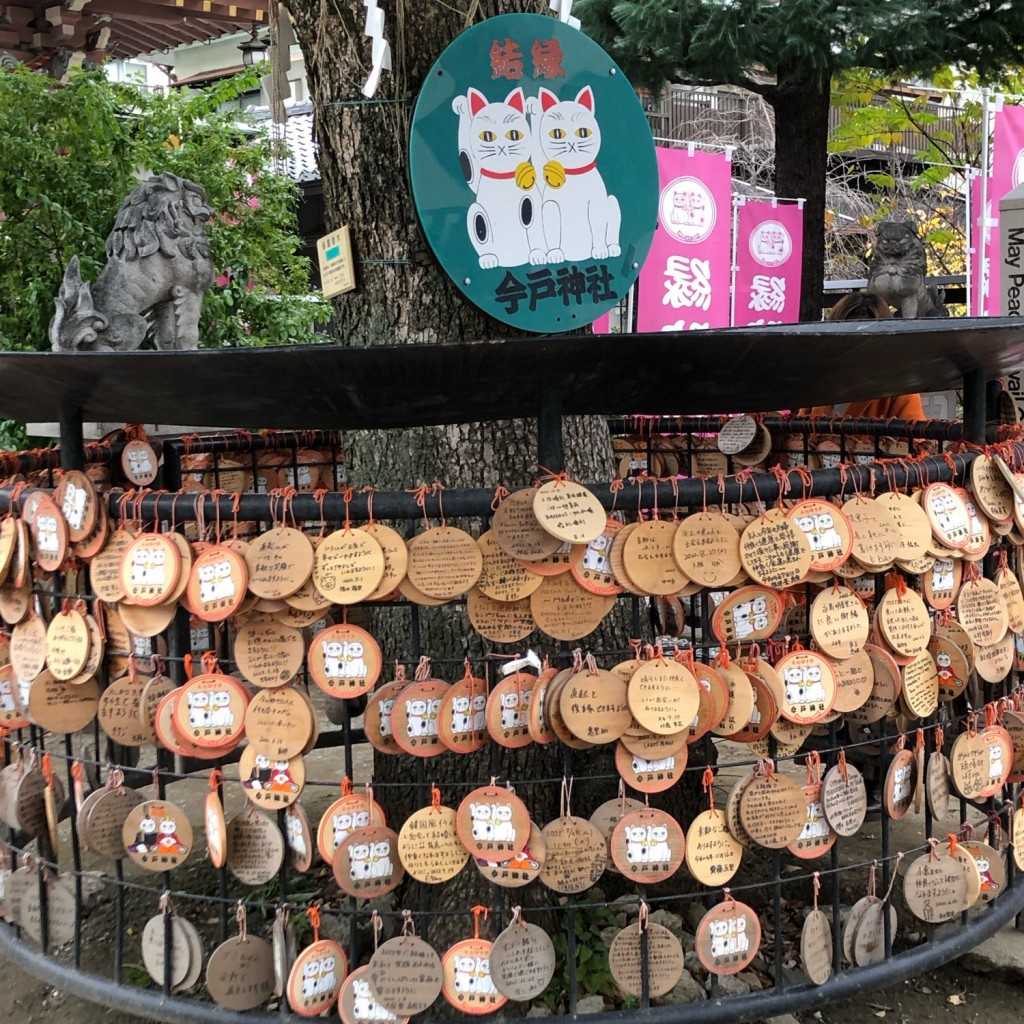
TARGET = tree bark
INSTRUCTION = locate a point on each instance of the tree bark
(801, 157)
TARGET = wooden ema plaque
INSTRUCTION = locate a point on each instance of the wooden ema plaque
(154, 951)
(507, 711)
(594, 570)
(649, 560)
(577, 855)
(952, 667)
(991, 869)
(444, 562)
(980, 762)
(268, 783)
(279, 722)
(217, 583)
(773, 810)
(827, 530)
(150, 569)
(267, 653)
(405, 975)
(462, 717)
(255, 847)
(713, 855)
(936, 887)
(429, 845)
(358, 1005)
(982, 612)
(316, 977)
(817, 837)
(504, 622)
(120, 713)
(517, 531)
(344, 661)
(569, 511)
(157, 835)
(298, 838)
(396, 559)
(900, 784)
(809, 687)
(664, 959)
(503, 578)
(593, 705)
(352, 811)
(279, 562)
(884, 690)
(747, 615)
(67, 644)
(49, 535)
(211, 710)
(854, 682)
(647, 846)
(941, 584)
(741, 697)
(366, 862)
(415, 718)
(816, 947)
(774, 551)
(215, 828)
(565, 611)
(62, 708)
(947, 515)
(348, 566)
(728, 937)
(76, 498)
(662, 696)
(522, 960)
(839, 622)
(875, 533)
(518, 869)
(240, 973)
(707, 549)
(650, 775)
(467, 983)
(492, 821)
(920, 687)
(903, 620)
(377, 719)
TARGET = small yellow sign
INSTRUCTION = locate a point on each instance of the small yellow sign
(337, 274)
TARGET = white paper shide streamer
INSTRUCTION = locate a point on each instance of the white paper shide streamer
(381, 49)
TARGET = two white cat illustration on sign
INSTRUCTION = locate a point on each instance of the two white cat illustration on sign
(531, 164)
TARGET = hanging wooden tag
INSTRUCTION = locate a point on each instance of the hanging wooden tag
(377, 719)
(728, 937)
(217, 583)
(467, 982)
(491, 821)
(576, 855)
(405, 975)
(504, 622)
(157, 835)
(903, 621)
(120, 713)
(271, 783)
(358, 1005)
(240, 973)
(662, 696)
(647, 846)
(816, 947)
(763, 714)
(937, 785)
(854, 680)
(522, 960)
(827, 530)
(415, 718)
(517, 531)
(594, 571)
(49, 534)
(211, 710)
(348, 566)
(935, 887)
(462, 716)
(150, 569)
(649, 560)
(712, 854)
(8, 542)
(344, 661)
(316, 977)
(67, 644)
(774, 551)
(508, 710)
(444, 562)
(502, 577)
(519, 869)
(982, 612)
(28, 647)
(869, 938)
(748, 615)
(568, 511)
(664, 959)
(76, 498)
(154, 950)
(279, 562)
(991, 869)
(980, 539)
(352, 811)
(102, 828)
(429, 846)
(267, 653)
(991, 489)
(139, 462)
(920, 685)
(979, 761)
(952, 667)
(839, 622)
(279, 722)
(817, 837)
(366, 862)
(947, 515)
(255, 847)
(994, 663)
(593, 705)
(565, 611)
(1012, 598)
(59, 707)
(773, 811)
(215, 828)
(885, 688)
(741, 698)
(707, 549)
(608, 815)
(900, 783)
(650, 775)
(809, 686)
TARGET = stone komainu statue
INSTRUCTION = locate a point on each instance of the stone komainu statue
(158, 263)
(897, 271)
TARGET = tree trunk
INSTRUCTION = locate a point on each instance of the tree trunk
(801, 156)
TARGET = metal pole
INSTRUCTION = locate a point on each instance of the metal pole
(549, 432)
(974, 406)
(72, 444)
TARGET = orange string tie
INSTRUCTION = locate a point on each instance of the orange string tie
(500, 494)
(707, 783)
(346, 496)
(209, 662)
(549, 475)
(313, 913)
(940, 737)
(723, 660)
(216, 780)
(919, 741)
(346, 786)
(843, 768)
(187, 662)
(420, 497)
(952, 844)
(477, 912)
(77, 770)
(47, 768)
(435, 797)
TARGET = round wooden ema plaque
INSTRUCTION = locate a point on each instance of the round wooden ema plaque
(649, 560)
(157, 835)
(749, 614)
(298, 839)
(947, 515)
(217, 583)
(809, 687)
(467, 982)
(980, 540)
(839, 622)
(28, 647)
(885, 688)
(377, 719)
(49, 535)
(608, 815)
(211, 710)
(728, 938)
(255, 847)
(344, 661)
(662, 696)
(713, 855)
(952, 667)
(358, 1005)
(816, 947)
(651, 746)
(405, 975)
(517, 531)
(594, 571)
(982, 612)
(154, 950)
(569, 511)
(342, 818)
(76, 498)
(522, 961)
(240, 973)
(444, 562)
(540, 731)
(429, 845)
(139, 462)
(736, 434)
(647, 846)
(707, 549)
(415, 718)
(120, 713)
(150, 569)
(279, 562)
(942, 583)
(900, 784)
(518, 869)
(396, 558)
(980, 763)
(101, 823)
(774, 551)
(366, 862)
(817, 838)
(741, 698)
(279, 722)
(854, 682)
(904, 622)
(773, 811)
(62, 708)
(993, 663)
(267, 653)
(503, 578)
(762, 715)
(492, 821)
(935, 887)
(67, 644)
(12, 715)
(664, 960)
(348, 566)
(937, 785)
(827, 530)
(565, 611)
(215, 828)
(991, 868)
(876, 542)
(593, 705)
(97, 650)
(268, 783)
(508, 710)
(504, 622)
(844, 799)
(650, 775)
(562, 562)
(462, 718)
(576, 855)
(316, 977)
(920, 687)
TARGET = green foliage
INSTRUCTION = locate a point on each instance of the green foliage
(593, 975)
(69, 154)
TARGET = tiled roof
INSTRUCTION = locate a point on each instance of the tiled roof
(301, 163)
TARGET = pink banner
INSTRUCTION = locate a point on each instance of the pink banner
(684, 284)
(769, 250)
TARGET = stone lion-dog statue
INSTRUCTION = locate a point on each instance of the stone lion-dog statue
(158, 263)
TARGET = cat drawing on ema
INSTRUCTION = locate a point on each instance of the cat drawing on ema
(494, 151)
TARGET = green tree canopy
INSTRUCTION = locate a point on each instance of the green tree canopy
(788, 51)
(69, 154)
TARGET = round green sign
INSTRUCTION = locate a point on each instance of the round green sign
(534, 172)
